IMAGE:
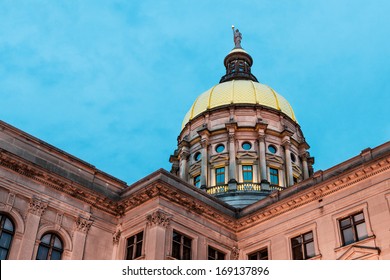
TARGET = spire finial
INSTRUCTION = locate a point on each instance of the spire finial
(237, 36)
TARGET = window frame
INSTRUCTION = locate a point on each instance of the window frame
(258, 254)
(272, 175)
(216, 252)
(50, 246)
(353, 226)
(135, 245)
(4, 218)
(220, 175)
(244, 172)
(181, 245)
(196, 181)
(303, 244)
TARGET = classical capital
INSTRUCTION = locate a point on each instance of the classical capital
(83, 225)
(158, 218)
(235, 253)
(116, 236)
(37, 207)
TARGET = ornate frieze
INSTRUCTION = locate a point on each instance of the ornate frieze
(158, 218)
(37, 207)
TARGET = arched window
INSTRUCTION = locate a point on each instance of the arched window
(50, 247)
(7, 231)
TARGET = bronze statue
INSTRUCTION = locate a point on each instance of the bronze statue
(237, 37)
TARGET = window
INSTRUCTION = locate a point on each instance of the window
(197, 181)
(303, 246)
(293, 158)
(197, 156)
(220, 148)
(246, 146)
(50, 247)
(247, 173)
(134, 246)
(259, 255)
(274, 176)
(181, 246)
(220, 176)
(353, 228)
(7, 231)
(214, 254)
(272, 149)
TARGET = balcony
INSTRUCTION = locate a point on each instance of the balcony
(242, 187)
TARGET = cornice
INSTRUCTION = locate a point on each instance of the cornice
(318, 191)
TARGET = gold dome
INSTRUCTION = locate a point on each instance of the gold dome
(239, 92)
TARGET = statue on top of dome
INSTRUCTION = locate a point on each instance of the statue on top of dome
(237, 37)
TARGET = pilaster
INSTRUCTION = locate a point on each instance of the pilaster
(81, 228)
(155, 245)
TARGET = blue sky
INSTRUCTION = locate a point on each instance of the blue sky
(110, 81)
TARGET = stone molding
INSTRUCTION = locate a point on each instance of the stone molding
(37, 207)
(83, 225)
(158, 218)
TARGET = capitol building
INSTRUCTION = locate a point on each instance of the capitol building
(242, 186)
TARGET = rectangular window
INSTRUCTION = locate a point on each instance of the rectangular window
(303, 246)
(197, 181)
(214, 254)
(259, 255)
(247, 173)
(274, 176)
(220, 176)
(181, 246)
(134, 246)
(353, 228)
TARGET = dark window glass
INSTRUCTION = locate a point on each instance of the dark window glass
(214, 254)
(197, 181)
(293, 158)
(274, 176)
(303, 246)
(220, 176)
(246, 146)
(6, 235)
(259, 255)
(353, 228)
(247, 173)
(181, 246)
(197, 156)
(220, 148)
(272, 149)
(50, 247)
(134, 246)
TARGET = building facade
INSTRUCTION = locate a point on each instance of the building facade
(242, 186)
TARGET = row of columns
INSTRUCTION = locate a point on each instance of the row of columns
(232, 168)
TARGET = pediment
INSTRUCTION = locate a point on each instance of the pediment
(219, 157)
(274, 159)
(246, 155)
(360, 253)
(194, 167)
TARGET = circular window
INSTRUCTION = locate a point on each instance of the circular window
(272, 149)
(219, 148)
(197, 156)
(293, 158)
(246, 146)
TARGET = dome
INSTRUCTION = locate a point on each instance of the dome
(239, 92)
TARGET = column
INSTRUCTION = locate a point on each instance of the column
(155, 245)
(262, 157)
(305, 166)
(203, 167)
(82, 227)
(287, 156)
(184, 163)
(232, 158)
(35, 211)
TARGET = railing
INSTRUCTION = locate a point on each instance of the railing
(242, 187)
